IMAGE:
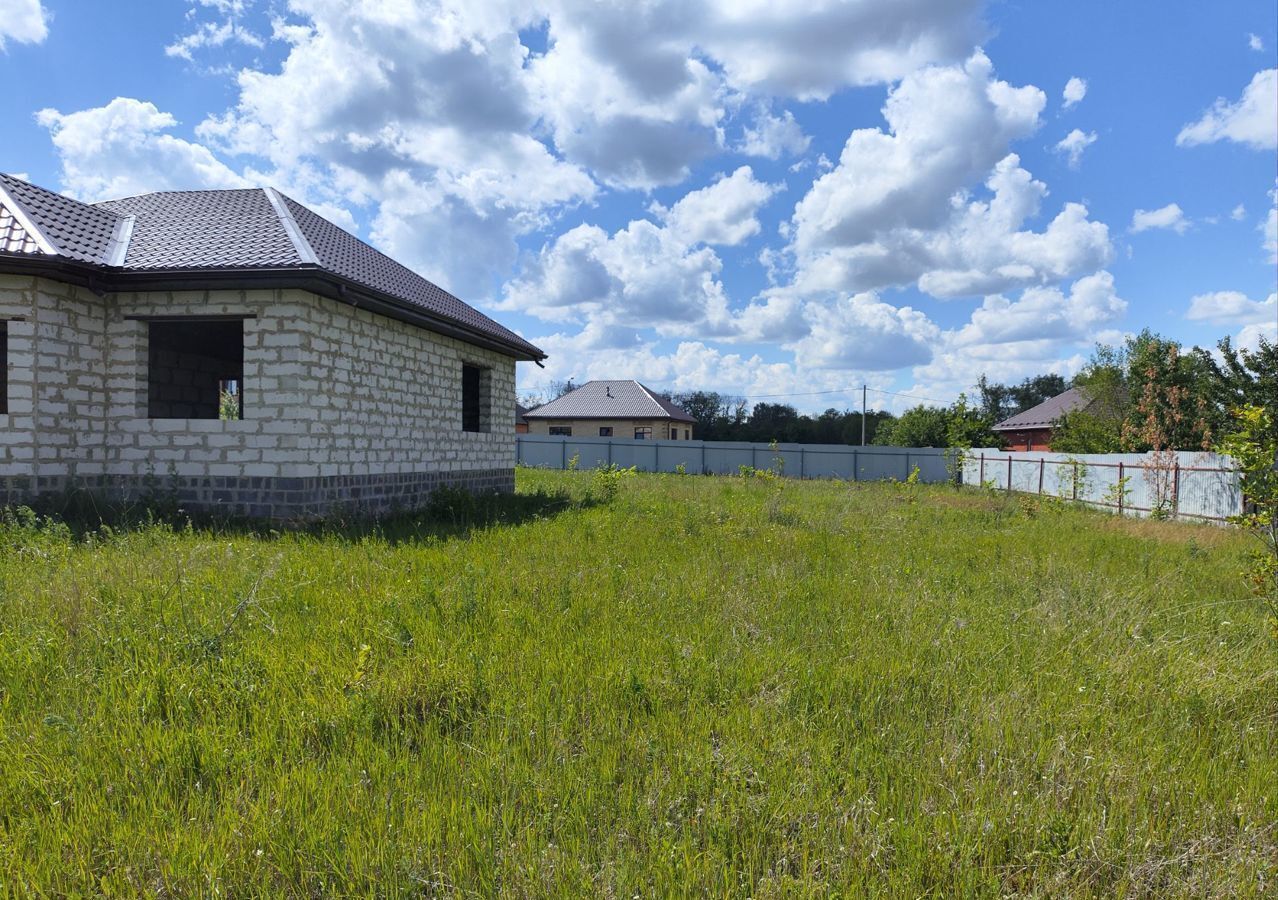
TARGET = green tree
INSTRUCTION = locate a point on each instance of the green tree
(1171, 397)
(1244, 377)
(969, 426)
(922, 426)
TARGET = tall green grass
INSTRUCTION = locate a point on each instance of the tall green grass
(698, 686)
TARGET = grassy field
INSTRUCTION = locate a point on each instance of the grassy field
(701, 686)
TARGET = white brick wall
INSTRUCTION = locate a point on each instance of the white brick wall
(328, 390)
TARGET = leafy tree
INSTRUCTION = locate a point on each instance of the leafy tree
(1033, 391)
(1171, 404)
(1083, 432)
(969, 426)
(719, 416)
(773, 422)
(922, 426)
(1244, 377)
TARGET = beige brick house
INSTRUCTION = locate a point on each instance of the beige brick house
(242, 352)
(618, 409)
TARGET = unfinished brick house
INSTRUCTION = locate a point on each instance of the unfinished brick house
(238, 350)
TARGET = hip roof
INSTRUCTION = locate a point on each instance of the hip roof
(225, 238)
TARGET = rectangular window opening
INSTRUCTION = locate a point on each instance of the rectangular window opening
(643, 434)
(195, 369)
(476, 398)
(561, 430)
(605, 431)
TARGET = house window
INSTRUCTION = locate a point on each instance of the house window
(4, 368)
(476, 398)
(643, 434)
(687, 435)
(195, 369)
(605, 431)
(561, 430)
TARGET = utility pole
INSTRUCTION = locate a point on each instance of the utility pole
(863, 388)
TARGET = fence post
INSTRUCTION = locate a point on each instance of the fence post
(1074, 496)
(754, 457)
(1176, 490)
(981, 478)
(703, 456)
(856, 464)
(519, 450)
(563, 454)
(907, 464)
(1042, 464)
(802, 455)
(609, 452)
(1121, 491)
(1009, 473)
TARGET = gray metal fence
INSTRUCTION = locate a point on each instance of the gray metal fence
(727, 457)
(1183, 485)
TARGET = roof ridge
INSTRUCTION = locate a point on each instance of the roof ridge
(651, 396)
(295, 234)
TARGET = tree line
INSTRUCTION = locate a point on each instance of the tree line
(1148, 393)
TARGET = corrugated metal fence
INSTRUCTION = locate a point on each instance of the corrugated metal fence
(1183, 485)
(727, 457)
(1202, 486)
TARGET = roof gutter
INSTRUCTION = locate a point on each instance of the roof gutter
(311, 278)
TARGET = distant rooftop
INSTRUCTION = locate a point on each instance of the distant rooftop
(1047, 413)
(243, 238)
(610, 400)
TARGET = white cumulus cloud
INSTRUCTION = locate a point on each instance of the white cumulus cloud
(1254, 42)
(772, 137)
(863, 332)
(1232, 307)
(1073, 145)
(23, 21)
(1250, 121)
(1075, 90)
(1170, 217)
(123, 148)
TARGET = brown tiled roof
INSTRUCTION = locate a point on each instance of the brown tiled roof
(1047, 413)
(255, 236)
(610, 400)
(204, 230)
(78, 230)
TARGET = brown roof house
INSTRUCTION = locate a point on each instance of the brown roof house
(242, 352)
(621, 409)
(1032, 429)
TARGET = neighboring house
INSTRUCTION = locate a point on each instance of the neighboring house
(1032, 429)
(240, 352)
(521, 423)
(620, 409)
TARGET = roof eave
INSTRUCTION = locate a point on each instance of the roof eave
(311, 278)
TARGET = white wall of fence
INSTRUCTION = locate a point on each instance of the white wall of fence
(727, 457)
(1185, 485)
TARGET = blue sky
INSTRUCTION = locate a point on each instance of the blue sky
(770, 199)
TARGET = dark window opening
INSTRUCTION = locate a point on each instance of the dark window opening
(643, 434)
(687, 434)
(4, 368)
(476, 400)
(195, 369)
(605, 431)
(561, 430)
